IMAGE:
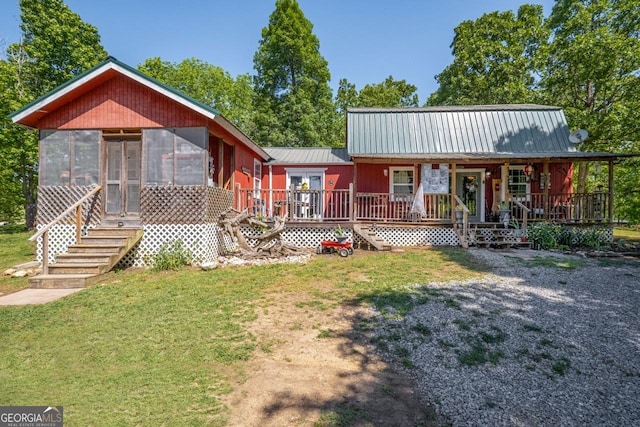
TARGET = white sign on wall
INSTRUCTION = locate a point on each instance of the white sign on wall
(435, 181)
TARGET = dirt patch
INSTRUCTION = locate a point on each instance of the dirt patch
(315, 368)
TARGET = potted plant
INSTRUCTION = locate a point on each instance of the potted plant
(517, 231)
(504, 211)
(340, 235)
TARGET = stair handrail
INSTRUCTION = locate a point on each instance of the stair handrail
(44, 230)
(465, 219)
(525, 212)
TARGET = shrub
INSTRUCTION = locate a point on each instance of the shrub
(172, 256)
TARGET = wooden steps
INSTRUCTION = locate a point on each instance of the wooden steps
(364, 231)
(87, 262)
(494, 235)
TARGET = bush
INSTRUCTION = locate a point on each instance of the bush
(552, 236)
(543, 235)
(172, 256)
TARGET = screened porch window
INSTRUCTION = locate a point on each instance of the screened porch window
(176, 156)
(69, 157)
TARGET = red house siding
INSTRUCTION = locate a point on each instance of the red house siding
(336, 177)
(121, 103)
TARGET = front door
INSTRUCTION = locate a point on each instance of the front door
(123, 178)
(308, 196)
(469, 188)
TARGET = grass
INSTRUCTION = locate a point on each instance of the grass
(628, 234)
(149, 347)
(14, 250)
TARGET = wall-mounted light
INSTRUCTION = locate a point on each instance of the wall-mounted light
(487, 174)
(386, 172)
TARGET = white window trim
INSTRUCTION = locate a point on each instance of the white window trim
(528, 185)
(400, 168)
(305, 171)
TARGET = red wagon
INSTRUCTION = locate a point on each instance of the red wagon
(331, 246)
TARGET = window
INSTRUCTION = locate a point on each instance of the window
(69, 158)
(519, 187)
(257, 178)
(176, 156)
(401, 180)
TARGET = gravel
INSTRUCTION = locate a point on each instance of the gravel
(545, 339)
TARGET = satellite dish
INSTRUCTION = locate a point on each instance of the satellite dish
(578, 136)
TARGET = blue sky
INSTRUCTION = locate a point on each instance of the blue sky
(364, 41)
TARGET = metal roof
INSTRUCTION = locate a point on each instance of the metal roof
(486, 131)
(308, 156)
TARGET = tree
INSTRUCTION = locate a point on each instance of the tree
(495, 59)
(293, 98)
(388, 94)
(209, 84)
(56, 45)
(592, 71)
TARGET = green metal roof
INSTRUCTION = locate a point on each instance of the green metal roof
(317, 155)
(482, 131)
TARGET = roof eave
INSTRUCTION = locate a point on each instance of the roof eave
(40, 103)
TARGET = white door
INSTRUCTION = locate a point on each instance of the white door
(308, 193)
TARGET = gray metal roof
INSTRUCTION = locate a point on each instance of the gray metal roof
(316, 155)
(484, 131)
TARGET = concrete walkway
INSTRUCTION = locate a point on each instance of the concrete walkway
(36, 296)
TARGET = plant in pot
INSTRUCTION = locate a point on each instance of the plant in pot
(517, 231)
(340, 235)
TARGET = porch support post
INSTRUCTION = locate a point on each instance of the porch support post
(547, 184)
(354, 192)
(220, 163)
(504, 185)
(610, 213)
(351, 197)
(453, 193)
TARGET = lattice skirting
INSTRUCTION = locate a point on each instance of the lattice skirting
(310, 237)
(417, 236)
(60, 237)
(203, 240)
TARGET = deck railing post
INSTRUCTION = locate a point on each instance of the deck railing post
(78, 223)
(45, 252)
(352, 203)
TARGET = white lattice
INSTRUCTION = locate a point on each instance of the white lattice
(417, 236)
(310, 237)
(201, 239)
(60, 236)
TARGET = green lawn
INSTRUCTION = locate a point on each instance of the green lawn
(628, 234)
(14, 249)
(157, 348)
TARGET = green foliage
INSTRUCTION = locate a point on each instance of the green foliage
(551, 236)
(208, 84)
(495, 59)
(293, 98)
(172, 256)
(56, 46)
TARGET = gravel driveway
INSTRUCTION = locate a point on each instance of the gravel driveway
(546, 339)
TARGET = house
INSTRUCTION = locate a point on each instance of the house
(133, 153)
(410, 168)
(128, 165)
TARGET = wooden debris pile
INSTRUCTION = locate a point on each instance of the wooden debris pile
(269, 242)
